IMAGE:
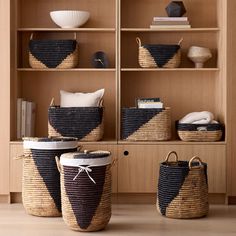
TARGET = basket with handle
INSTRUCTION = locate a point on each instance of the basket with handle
(159, 55)
(50, 53)
(86, 189)
(84, 123)
(183, 188)
(41, 180)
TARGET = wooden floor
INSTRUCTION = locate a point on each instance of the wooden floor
(126, 220)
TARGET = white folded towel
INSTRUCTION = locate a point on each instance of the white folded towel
(204, 117)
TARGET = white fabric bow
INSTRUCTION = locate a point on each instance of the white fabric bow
(87, 169)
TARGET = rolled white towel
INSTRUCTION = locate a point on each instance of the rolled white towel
(204, 117)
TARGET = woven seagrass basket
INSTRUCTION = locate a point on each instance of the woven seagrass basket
(41, 179)
(146, 124)
(86, 189)
(200, 132)
(60, 54)
(159, 55)
(183, 188)
(84, 123)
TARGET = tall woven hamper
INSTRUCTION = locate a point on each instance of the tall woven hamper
(86, 190)
(183, 188)
(41, 179)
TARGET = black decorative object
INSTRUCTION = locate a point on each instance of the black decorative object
(176, 9)
(100, 60)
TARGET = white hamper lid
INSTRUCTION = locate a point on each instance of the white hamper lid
(50, 143)
(93, 158)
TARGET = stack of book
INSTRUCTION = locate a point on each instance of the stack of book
(25, 118)
(149, 103)
(170, 23)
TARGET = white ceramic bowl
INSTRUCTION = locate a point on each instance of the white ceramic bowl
(69, 19)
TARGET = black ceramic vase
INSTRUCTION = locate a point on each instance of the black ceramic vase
(100, 60)
(176, 9)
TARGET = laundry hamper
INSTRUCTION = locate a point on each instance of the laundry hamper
(200, 132)
(86, 189)
(84, 123)
(183, 188)
(51, 53)
(140, 124)
(41, 179)
(159, 55)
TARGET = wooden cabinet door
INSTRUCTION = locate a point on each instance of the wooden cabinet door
(138, 165)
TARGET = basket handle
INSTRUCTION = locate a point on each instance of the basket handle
(101, 103)
(21, 157)
(195, 158)
(180, 41)
(52, 103)
(31, 36)
(138, 40)
(169, 154)
(75, 36)
(58, 164)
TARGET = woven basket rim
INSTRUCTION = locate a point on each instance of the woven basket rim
(59, 107)
(165, 164)
(50, 139)
(148, 109)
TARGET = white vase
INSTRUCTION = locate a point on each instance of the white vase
(199, 55)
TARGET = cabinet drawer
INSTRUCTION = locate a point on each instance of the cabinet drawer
(138, 167)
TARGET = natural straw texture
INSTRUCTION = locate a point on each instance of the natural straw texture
(86, 206)
(183, 188)
(158, 55)
(41, 181)
(60, 54)
(200, 133)
(84, 123)
(146, 124)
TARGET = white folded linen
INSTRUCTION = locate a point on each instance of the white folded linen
(203, 117)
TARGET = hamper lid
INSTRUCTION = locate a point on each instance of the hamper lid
(88, 158)
(50, 143)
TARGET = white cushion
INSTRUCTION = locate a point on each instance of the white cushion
(81, 99)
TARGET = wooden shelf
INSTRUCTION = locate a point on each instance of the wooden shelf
(66, 30)
(168, 69)
(67, 70)
(170, 30)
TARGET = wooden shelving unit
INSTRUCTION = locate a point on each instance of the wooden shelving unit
(113, 28)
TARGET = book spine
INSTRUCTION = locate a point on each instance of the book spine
(170, 26)
(19, 115)
(23, 118)
(28, 119)
(170, 23)
(156, 18)
(33, 115)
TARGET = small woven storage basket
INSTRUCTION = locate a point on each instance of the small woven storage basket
(86, 189)
(84, 123)
(200, 132)
(183, 188)
(41, 179)
(159, 55)
(146, 124)
(60, 54)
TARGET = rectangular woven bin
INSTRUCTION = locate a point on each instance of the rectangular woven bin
(84, 123)
(159, 55)
(60, 54)
(86, 189)
(146, 124)
(200, 132)
(41, 180)
(183, 188)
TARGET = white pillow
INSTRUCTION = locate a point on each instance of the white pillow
(81, 99)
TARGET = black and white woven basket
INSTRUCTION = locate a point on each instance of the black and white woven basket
(86, 189)
(60, 54)
(41, 179)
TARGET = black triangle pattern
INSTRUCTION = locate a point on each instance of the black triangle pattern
(75, 122)
(52, 52)
(162, 54)
(45, 162)
(84, 196)
(133, 119)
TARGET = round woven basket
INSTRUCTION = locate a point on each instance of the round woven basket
(84, 123)
(86, 190)
(146, 124)
(183, 188)
(41, 179)
(60, 54)
(200, 132)
(159, 55)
